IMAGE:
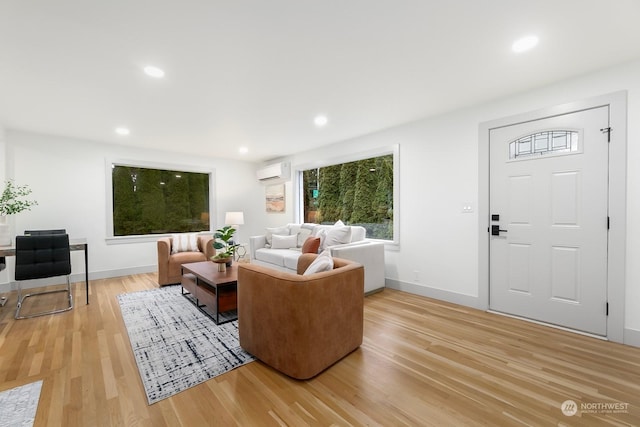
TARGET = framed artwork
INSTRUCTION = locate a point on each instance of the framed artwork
(274, 198)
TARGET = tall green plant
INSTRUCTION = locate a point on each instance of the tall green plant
(329, 205)
(363, 201)
(383, 201)
(348, 176)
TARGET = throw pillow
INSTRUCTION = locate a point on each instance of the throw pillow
(282, 231)
(339, 223)
(338, 236)
(323, 262)
(184, 243)
(302, 236)
(311, 245)
(284, 242)
(322, 234)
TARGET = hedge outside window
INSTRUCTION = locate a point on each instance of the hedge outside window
(358, 193)
(157, 201)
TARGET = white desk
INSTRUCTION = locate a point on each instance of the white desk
(74, 245)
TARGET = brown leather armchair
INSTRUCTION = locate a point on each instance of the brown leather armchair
(301, 325)
(170, 265)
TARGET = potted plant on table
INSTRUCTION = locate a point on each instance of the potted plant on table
(224, 245)
(12, 202)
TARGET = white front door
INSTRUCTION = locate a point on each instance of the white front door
(548, 205)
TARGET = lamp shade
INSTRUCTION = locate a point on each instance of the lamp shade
(234, 218)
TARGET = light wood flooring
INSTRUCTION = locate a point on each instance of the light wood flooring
(423, 363)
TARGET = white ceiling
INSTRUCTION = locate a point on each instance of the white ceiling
(254, 73)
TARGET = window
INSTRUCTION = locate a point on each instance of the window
(158, 201)
(544, 143)
(360, 192)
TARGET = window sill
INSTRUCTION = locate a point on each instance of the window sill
(123, 240)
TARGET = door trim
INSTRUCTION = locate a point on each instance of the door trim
(616, 270)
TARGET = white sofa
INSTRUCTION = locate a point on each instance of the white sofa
(351, 245)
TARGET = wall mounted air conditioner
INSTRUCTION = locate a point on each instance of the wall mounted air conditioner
(275, 171)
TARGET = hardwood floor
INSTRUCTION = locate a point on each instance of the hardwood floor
(423, 362)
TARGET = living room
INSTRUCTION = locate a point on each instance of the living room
(438, 252)
(71, 194)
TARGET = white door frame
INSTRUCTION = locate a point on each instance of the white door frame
(616, 282)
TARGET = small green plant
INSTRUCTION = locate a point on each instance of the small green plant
(11, 202)
(223, 244)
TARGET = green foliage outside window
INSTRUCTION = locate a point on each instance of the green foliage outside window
(358, 193)
(155, 201)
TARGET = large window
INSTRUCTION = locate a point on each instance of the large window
(357, 193)
(157, 201)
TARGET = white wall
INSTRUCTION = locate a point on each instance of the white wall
(68, 180)
(439, 174)
(3, 148)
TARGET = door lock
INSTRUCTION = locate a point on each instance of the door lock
(495, 230)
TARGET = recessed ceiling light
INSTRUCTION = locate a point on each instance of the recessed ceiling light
(123, 131)
(320, 120)
(155, 72)
(524, 44)
(243, 150)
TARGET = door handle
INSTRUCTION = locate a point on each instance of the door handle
(495, 230)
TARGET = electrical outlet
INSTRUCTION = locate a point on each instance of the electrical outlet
(416, 276)
(467, 208)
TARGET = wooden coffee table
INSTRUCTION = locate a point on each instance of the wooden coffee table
(212, 291)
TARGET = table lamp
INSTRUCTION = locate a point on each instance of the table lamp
(234, 219)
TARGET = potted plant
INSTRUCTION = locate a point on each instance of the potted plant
(12, 202)
(224, 245)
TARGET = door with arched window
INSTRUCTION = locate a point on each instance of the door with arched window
(549, 223)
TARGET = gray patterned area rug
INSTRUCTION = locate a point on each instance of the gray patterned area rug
(19, 405)
(175, 345)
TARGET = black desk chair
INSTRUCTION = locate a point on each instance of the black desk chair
(42, 232)
(40, 256)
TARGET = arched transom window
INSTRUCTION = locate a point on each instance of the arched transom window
(544, 143)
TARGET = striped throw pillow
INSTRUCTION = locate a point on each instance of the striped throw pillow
(184, 243)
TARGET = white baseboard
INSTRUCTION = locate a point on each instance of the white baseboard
(426, 291)
(632, 337)
(79, 277)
